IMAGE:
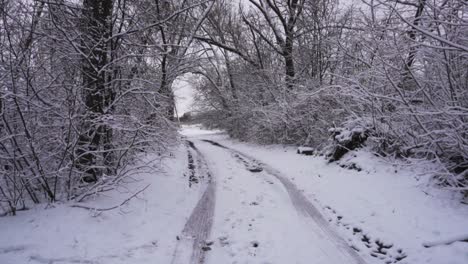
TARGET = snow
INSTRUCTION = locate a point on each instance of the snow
(301, 150)
(142, 231)
(388, 211)
(448, 241)
(196, 131)
(255, 221)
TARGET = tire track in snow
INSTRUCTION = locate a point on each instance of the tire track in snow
(198, 227)
(301, 204)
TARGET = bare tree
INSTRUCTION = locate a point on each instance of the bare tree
(281, 18)
(97, 94)
(80, 92)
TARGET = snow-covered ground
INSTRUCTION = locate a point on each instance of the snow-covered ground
(256, 222)
(142, 231)
(387, 204)
(385, 212)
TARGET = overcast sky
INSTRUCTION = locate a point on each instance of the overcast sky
(184, 93)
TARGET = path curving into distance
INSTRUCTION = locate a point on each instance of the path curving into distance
(253, 214)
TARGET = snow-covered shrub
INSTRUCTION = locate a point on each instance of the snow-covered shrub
(351, 136)
(396, 69)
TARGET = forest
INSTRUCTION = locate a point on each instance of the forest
(86, 86)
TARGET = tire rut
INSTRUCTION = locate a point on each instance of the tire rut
(299, 201)
(197, 229)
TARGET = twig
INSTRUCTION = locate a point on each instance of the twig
(448, 241)
(113, 207)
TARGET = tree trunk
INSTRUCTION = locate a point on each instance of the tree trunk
(97, 95)
(407, 82)
(289, 62)
(412, 34)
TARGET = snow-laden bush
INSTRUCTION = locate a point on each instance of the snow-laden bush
(393, 75)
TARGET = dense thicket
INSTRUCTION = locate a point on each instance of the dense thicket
(300, 71)
(85, 86)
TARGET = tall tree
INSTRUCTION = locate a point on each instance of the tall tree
(97, 94)
(281, 17)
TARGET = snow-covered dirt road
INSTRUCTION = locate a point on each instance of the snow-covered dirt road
(260, 217)
(215, 200)
(192, 243)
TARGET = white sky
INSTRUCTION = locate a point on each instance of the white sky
(184, 94)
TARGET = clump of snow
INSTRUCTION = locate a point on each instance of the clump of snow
(305, 150)
(350, 127)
